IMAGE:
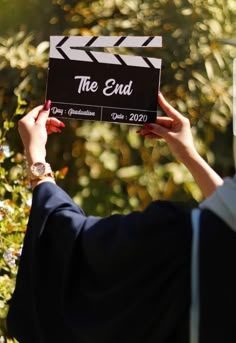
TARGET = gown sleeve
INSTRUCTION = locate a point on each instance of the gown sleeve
(123, 278)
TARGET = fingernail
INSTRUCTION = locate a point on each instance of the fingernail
(47, 105)
(62, 124)
(139, 131)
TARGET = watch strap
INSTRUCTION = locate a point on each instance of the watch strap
(51, 175)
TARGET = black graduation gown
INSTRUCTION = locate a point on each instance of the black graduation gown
(124, 278)
(217, 253)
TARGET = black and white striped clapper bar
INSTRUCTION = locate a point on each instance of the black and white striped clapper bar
(88, 84)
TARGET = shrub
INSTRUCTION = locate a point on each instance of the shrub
(14, 210)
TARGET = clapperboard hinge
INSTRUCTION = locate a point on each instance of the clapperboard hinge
(70, 47)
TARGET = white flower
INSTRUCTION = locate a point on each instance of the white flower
(7, 208)
(9, 257)
(28, 203)
(5, 149)
(19, 252)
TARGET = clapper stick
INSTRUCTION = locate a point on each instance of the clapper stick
(107, 41)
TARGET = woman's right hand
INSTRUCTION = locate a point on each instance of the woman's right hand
(175, 129)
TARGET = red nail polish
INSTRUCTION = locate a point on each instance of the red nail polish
(47, 105)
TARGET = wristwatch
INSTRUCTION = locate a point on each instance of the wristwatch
(40, 170)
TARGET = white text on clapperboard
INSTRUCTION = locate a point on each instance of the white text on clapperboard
(111, 86)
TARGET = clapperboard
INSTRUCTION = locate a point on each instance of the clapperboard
(87, 84)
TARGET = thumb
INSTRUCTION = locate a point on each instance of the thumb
(44, 113)
(168, 109)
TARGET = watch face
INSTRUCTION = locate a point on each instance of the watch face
(38, 169)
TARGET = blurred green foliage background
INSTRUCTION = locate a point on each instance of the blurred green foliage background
(109, 168)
